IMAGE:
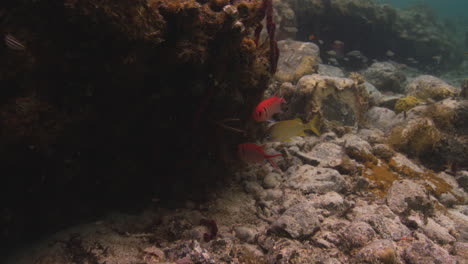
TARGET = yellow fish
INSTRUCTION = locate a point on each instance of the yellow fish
(311, 37)
(284, 130)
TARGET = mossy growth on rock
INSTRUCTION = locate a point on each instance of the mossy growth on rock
(417, 138)
(436, 94)
(442, 115)
(381, 176)
(406, 103)
(356, 77)
(432, 183)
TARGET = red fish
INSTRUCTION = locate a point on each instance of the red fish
(252, 153)
(267, 108)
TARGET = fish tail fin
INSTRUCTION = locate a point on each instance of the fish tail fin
(273, 163)
(274, 155)
(278, 94)
(312, 125)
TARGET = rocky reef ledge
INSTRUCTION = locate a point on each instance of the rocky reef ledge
(108, 102)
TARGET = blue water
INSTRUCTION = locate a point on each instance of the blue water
(443, 8)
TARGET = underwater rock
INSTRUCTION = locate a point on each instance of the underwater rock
(299, 221)
(405, 195)
(357, 234)
(297, 59)
(424, 250)
(383, 151)
(380, 118)
(375, 96)
(329, 70)
(310, 179)
(255, 189)
(464, 90)
(460, 220)
(245, 234)
(416, 137)
(450, 116)
(336, 99)
(271, 180)
(430, 87)
(405, 166)
(385, 77)
(462, 179)
(432, 229)
(460, 249)
(327, 154)
(358, 149)
(389, 100)
(379, 251)
(332, 202)
(273, 194)
(285, 19)
(373, 136)
(406, 103)
(388, 228)
(455, 193)
(386, 224)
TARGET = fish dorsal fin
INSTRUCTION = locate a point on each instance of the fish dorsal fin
(312, 125)
(298, 119)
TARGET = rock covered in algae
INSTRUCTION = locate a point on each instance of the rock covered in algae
(297, 59)
(339, 99)
(416, 137)
(406, 103)
(430, 87)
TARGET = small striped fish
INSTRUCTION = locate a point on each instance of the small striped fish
(13, 43)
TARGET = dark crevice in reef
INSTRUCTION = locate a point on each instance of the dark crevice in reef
(114, 103)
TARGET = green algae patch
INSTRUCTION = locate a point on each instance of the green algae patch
(382, 177)
(443, 116)
(406, 103)
(431, 182)
(438, 93)
(416, 138)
